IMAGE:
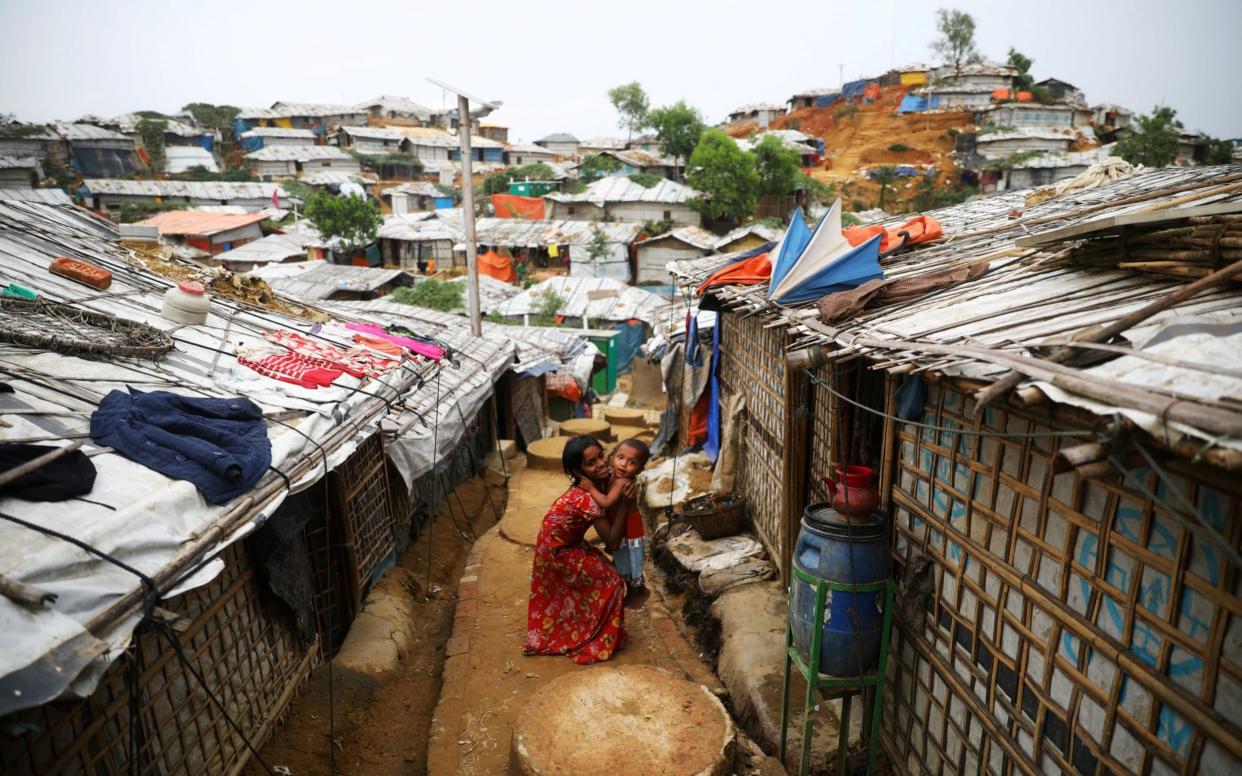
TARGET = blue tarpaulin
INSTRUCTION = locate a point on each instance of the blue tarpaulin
(823, 262)
(789, 249)
(912, 104)
(856, 88)
(827, 100)
(712, 446)
(628, 342)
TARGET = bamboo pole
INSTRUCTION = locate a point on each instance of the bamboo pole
(1102, 333)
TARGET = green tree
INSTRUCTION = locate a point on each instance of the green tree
(1219, 152)
(956, 44)
(152, 133)
(597, 248)
(433, 295)
(646, 179)
(498, 182)
(778, 167)
(679, 127)
(597, 166)
(1153, 141)
(1022, 63)
(354, 220)
(217, 117)
(885, 176)
(726, 176)
(631, 103)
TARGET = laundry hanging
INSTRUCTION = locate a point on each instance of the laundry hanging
(408, 333)
(356, 362)
(219, 445)
(812, 265)
(433, 352)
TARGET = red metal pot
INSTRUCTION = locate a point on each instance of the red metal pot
(853, 496)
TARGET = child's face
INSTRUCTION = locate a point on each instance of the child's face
(627, 462)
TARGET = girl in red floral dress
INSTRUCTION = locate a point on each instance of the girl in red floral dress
(577, 598)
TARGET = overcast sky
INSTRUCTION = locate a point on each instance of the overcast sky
(552, 63)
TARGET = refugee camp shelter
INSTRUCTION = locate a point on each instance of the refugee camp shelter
(206, 231)
(192, 622)
(180, 159)
(18, 171)
(48, 196)
(562, 144)
(1064, 91)
(369, 140)
(986, 75)
(312, 281)
(813, 98)
(98, 152)
(416, 196)
(175, 132)
(254, 139)
(108, 195)
(35, 140)
(388, 106)
(420, 241)
(1005, 142)
(761, 113)
(1066, 554)
(279, 162)
(272, 249)
(600, 144)
(617, 198)
(1029, 114)
(1043, 169)
(634, 162)
(519, 154)
(653, 254)
(744, 238)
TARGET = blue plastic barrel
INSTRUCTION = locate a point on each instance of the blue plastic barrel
(835, 550)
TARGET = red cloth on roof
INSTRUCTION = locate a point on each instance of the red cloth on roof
(500, 267)
(698, 420)
(757, 269)
(513, 206)
(921, 229)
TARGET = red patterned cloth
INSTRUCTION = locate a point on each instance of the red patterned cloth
(357, 362)
(293, 368)
(577, 598)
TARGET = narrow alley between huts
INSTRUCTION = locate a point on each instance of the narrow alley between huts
(891, 426)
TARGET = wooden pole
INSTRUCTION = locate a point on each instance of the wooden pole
(1101, 333)
(467, 203)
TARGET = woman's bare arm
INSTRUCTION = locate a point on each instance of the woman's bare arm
(611, 527)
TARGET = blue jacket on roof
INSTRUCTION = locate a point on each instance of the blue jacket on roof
(220, 445)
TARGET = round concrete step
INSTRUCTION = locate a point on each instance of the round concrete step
(600, 429)
(637, 719)
(625, 416)
(546, 453)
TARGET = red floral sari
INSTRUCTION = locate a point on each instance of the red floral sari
(576, 596)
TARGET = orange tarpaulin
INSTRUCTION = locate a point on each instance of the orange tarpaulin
(513, 206)
(1025, 97)
(500, 267)
(920, 228)
(744, 273)
(1000, 94)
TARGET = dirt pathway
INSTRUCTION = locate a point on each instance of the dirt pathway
(382, 724)
(487, 680)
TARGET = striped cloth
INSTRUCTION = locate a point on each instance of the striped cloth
(358, 362)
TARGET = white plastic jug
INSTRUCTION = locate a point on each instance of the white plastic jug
(187, 302)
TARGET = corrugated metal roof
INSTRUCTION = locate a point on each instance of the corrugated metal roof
(417, 188)
(273, 248)
(755, 107)
(337, 177)
(1026, 133)
(1069, 159)
(315, 280)
(640, 158)
(790, 139)
(18, 162)
(602, 143)
(529, 149)
(519, 232)
(216, 190)
(597, 299)
(128, 123)
(373, 133)
(815, 92)
(558, 137)
(417, 227)
(438, 138)
(314, 109)
(44, 196)
(289, 132)
(80, 132)
(181, 158)
(41, 132)
(767, 233)
(297, 153)
(198, 222)
(690, 235)
(617, 188)
(394, 104)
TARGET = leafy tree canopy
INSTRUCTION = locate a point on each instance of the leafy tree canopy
(1219, 151)
(498, 182)
(152, 133)
(354, 220)
(645, 179)
(631, 103)
(215, 116)
(1022, 63)
(679, 127)
(597, 166)
(1153, 141)
(777, 166)
(201, 173)
(433, 295)
(725, 174)
(956, 44)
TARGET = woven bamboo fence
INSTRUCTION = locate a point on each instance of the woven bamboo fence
(234, 635)
(1074, 625)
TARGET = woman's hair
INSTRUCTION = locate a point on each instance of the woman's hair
(575, 451)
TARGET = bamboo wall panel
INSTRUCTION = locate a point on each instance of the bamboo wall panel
(1076, 625)
(361, 487)
(751, 362)
(821, 435)
(241, 642)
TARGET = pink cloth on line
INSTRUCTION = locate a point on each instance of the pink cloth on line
(432, 352)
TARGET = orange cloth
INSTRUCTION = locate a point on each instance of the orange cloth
(1000, 94)
(920, 228)
(1026, 97)
(513, 206)
(500, 267)
(382, 345)
(872, 92)
(757, 269)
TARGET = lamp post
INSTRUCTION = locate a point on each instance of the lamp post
(464, 121)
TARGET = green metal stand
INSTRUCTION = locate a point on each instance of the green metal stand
(844, 687)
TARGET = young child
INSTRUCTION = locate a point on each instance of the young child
(628, 461)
